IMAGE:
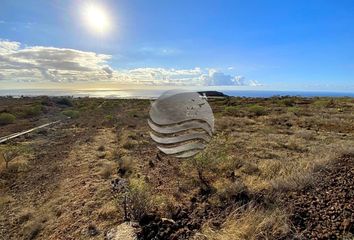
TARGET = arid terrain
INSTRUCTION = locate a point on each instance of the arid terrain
(277, 168)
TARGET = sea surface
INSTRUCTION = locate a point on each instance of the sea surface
(150, 94)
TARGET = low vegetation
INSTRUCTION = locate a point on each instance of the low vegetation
(31, 111)
(71, 113)
(7, 118)
(101, 168)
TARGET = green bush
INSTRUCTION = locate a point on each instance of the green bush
(288, 102)
(257, 110)
(47, 101)
(64, 101)
(6, 118)
(32, 111)
(232, 110)
(71, 113)
(324, 103)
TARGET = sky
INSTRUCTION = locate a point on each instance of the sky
(255, 44)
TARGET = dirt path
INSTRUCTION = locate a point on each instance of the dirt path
(72, 181)
(84, 190)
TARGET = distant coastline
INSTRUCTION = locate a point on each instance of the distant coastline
(151, 94)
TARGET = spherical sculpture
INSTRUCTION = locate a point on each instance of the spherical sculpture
(182, 123)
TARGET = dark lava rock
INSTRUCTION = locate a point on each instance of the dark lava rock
(325, 211)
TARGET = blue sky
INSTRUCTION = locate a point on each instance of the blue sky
(284, 45)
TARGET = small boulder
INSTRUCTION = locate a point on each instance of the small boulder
(101, 155)
(124, 231)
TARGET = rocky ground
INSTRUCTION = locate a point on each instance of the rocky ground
(186, 221)
(326, 210)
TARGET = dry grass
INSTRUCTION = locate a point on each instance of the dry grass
(5, 199)
(31, 229)
(25, 215)
(109, 212)
(126, 165)
(251, 224)
(140, 198)
(127, 140)
(107, 169)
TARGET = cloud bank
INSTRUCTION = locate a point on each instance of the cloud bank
(49, 64)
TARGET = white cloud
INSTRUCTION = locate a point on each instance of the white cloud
(159, 51)
(254, 83)
(49, 64)
(8, 46)
(217, 78)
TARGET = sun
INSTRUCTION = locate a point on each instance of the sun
(96, 18)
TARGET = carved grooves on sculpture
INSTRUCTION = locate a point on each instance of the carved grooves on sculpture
(181, 139)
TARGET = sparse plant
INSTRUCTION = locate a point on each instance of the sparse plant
(140, 198)
(125, 166)
(209, 161)
(135, 197)
(9, 156)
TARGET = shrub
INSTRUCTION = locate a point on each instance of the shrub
(211, 161)
(47, 101)
(233, 110)
(6, 118)
(106, 171)
(324, 103)
(32, 111)
(8, 156)
(227, 190)
(109, 118)
(130, 144)
(71, 113)
(25, 215)
(140, 198)
(125, 166)
(32, 228)
(288, 102)
(64, 101)
(257, 110)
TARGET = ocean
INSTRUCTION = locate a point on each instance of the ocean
(150, 94)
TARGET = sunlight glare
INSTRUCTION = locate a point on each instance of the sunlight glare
(96, 18)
